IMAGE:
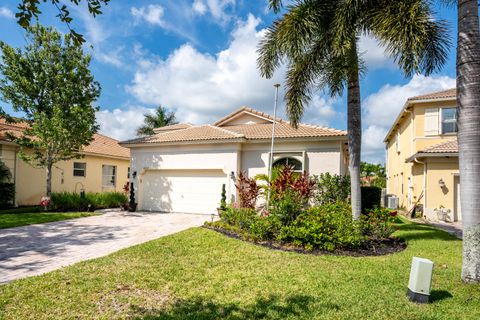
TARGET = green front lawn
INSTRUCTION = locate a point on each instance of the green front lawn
(10, 220)
(201, 274)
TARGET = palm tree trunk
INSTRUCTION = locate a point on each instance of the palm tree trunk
(468, 99)
(354, 134)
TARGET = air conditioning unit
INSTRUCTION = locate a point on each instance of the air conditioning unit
(392, 202)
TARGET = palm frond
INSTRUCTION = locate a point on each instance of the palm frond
(288, 36)
(412, 37)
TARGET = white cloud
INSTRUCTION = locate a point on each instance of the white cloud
(373, 53)
(204, 87)
(6, 13)
(380, 109)
(199, 7)
(122, 124)
(218, 9)
(153, 14)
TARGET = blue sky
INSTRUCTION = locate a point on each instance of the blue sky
(197, 57)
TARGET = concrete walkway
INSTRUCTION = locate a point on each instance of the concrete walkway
(36, 249)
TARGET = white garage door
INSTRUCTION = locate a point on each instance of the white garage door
(189, 191)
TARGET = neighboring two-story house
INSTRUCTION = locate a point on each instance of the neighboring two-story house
(422, 155)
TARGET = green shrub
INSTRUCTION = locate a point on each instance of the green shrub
(377, 224)
(7, 195)
(332, 188)
(370, 197)
(327, 227)
(71, 201)
(240, 217)
(287, 208)
(265, 228)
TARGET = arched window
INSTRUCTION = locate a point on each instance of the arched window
(292, 162)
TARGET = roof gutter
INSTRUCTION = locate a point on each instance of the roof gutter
(431, 155)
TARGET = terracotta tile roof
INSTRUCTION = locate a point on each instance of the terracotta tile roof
(450, 146)
(13, 128)
(172, 127)
(106, 146)
(249, 110)
(245, 131)
(284, 130)
(194, 133)
(101, 145)
(444, 94)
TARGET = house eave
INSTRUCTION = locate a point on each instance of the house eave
(239, 140)
(404, 109)
(420, 155)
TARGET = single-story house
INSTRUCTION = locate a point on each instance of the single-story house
(422, 156)
(181, 168)
(103, 167)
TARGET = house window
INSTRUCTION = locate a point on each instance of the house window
(292, 162)
(397, 141)
(449, 120)
(79, 169)
(109, 176)
(128, 173)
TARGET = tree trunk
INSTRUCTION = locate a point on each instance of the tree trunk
(468, 100)
(49, 177)
(354, 135)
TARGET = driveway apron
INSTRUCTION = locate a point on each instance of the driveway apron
(36, 249)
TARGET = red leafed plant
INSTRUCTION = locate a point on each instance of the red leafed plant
(248, 191)
(288, 180)
(126, 187)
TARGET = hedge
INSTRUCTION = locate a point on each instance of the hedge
(7, 195)
(370, 197)
(70, 201)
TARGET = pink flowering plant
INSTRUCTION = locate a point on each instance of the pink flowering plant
(45, 202)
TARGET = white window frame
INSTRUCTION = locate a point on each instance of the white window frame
(293, 158)
(297, 155)
(84, 169)
(112, 178)
(454, 121)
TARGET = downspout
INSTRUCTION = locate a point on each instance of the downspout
(424, 182)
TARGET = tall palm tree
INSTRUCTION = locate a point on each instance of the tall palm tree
(160, 118)
(318, 39)
(468, 101)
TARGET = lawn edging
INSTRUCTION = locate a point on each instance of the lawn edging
(389, 246)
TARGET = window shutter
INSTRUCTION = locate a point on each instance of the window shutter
(431, 122)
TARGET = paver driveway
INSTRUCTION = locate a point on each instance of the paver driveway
(36, 249)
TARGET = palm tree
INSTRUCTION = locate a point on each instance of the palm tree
(160, 118)
(318, 40)
(468, 101)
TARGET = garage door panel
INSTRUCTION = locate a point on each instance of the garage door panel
(191, 191)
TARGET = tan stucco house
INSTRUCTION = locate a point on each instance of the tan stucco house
(422, 155)
(182, 167)
(103, 167)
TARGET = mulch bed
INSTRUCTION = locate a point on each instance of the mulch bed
(378, 248)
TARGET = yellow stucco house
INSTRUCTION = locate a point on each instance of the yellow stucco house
(422, 156)
(103, 167)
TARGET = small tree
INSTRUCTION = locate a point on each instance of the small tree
(160, 118)
(223, 200)
(5, 174)
(50, 83)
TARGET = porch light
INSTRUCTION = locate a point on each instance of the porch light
(441, 183)
(232, 175)
(420, 280)
(134, 174)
